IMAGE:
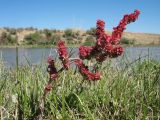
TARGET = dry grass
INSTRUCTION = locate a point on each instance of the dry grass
(142, 38)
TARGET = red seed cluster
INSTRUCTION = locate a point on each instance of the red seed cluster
(83, 69)
(117, 31)
(85, 52)
(106, 46)
(52, 69)
(53, 74)
(63, 54)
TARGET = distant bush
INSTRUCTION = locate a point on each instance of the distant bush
(127, 41)
(33, 38)
(31, 28)
(70, 36)
(7, 38)
(12, 31)
(11, 39)
(55, 38)
(3, 38)
(76, 34)
(6, 28)
(91, 31)
(68, 33)
(90, 40)
(54, 31)
(48, 34)
(69, 39)
(52, 41)
(84, 34)
(19, 29)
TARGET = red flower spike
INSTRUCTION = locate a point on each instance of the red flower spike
(100, 24)
(93, 76)
(100, 28)
(54, 76)
(108, 48)
(101, 57)
(51, 68)
(85, 72)
(117, 31)
(84, 52)
(48, 88)
(104, 44)
(63, 54)
(50, 59)
(117, 51)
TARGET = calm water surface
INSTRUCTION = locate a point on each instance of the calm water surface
(39, 55)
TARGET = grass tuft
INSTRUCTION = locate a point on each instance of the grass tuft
(123, 93)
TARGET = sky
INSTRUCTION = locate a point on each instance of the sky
(79, 14)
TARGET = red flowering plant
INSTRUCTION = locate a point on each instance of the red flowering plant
(106, 46)
(63, 54)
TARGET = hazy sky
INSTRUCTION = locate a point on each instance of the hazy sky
(62, 14)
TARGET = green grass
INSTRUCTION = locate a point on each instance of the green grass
(132, 92)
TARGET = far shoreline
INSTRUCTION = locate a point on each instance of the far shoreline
(68, 45)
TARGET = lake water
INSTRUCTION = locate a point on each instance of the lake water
(39, 55)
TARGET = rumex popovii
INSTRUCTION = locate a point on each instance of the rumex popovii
(106, 46)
